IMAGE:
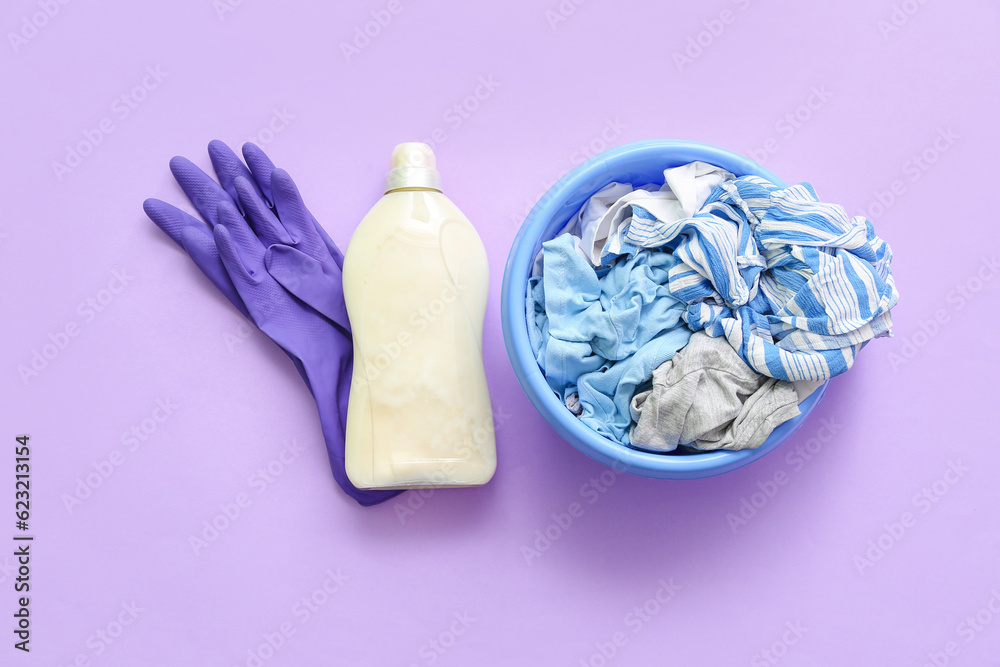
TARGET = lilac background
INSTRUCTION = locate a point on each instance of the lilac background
(609, 67)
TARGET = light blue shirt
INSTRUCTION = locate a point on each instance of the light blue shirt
(601, 336)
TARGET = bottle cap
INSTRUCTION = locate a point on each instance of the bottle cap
(412, 165)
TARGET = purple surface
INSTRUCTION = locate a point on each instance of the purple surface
(448, 578)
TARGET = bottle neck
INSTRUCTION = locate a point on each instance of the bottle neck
(414, 189)
(412, 178)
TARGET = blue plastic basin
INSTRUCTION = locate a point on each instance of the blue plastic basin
(639, 163)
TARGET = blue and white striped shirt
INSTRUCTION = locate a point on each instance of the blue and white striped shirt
(794, 284)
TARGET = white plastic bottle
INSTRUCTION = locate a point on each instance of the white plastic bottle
(415, 285)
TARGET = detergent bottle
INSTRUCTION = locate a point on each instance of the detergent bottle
(415, 285)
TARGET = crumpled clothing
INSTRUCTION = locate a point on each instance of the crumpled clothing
(794, 285)
(707, 398)
(600, 224)
(573, 404)
(602, 336)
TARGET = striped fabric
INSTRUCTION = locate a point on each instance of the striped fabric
(794, 284)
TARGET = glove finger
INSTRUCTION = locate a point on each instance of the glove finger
(203, 250)
(318, 285)
(229, 167)
(294, 215)
(195, 237)
(243, 253)
(172, 220)
(260, 166)
(267, 227)
(331, 247)
(204, 193)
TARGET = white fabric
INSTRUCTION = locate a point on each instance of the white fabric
(598, 226)
(683, 193)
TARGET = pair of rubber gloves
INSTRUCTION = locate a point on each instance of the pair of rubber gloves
(263, 249)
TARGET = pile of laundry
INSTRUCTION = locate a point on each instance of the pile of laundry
(698, 314)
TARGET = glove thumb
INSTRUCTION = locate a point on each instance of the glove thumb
(318, 285)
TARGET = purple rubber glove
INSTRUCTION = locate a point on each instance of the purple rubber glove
(282, 271)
